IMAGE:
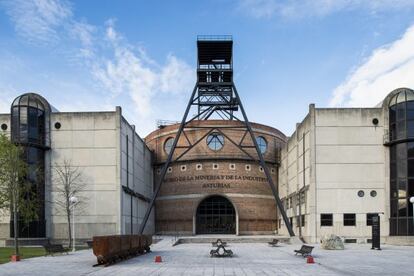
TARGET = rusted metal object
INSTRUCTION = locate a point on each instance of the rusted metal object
(112, 249)
(147, 242)
(135, 244)
(125, 245)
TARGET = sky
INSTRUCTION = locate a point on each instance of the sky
(141, 55)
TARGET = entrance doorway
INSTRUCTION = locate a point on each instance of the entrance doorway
(216, 215)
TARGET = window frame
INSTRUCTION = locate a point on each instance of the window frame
(328, 222)
(349, 221)
(262, 144)
(303, 221)
(213, 138)
(166, 142)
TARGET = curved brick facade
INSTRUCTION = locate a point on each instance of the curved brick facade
(203, 172)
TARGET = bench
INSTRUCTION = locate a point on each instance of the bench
(274, 242)
(305, 250)
(221, 251)
(54, 248)
(218, 243)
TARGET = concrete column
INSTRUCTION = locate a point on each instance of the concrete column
(118, 182)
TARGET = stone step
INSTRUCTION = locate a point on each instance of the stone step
(234, 239)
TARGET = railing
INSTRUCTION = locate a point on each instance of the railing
(214, 37)
(391, 137)
(164, 123)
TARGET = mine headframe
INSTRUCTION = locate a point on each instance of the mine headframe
(215, 97)
(215, 94)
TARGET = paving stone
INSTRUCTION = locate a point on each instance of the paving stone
(250, 259)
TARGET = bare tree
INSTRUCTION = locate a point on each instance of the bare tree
(69, 183)
(17, 194)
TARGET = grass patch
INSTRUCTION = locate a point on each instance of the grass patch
(28, 252)
(25, 252)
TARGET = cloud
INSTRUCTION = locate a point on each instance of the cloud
(38, 21)
(259, 8)
(121, 73)
(126, 73)
(315, 8)
(10, 66)
(133, 72)
(6, 98)
(176, 76)
(387, 68)
(84, 33)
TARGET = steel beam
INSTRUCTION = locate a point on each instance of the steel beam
(212, 99)
(167, 163)
(263, 164)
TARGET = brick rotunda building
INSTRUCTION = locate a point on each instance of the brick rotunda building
(216, 188)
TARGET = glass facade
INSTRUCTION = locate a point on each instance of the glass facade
(30, 120)
(401, 124)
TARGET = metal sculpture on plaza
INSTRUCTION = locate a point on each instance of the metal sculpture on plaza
(215, 96)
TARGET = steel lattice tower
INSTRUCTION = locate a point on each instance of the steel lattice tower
(215, 96)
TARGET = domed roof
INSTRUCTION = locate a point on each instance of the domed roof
(398, 96)
(403, 95)
(33, 100)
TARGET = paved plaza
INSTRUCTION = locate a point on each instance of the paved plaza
(249, 259)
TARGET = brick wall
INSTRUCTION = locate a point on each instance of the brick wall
(227, 172)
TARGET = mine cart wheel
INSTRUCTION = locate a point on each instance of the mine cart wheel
(100, 259)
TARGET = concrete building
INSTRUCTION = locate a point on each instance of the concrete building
(340, 167)
(343, 165)
(115, 166)
(215, 188)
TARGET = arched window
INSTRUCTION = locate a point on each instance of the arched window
(30, 120)
(215, 141)
(262, 143)
(401, 115)
(168, 145)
